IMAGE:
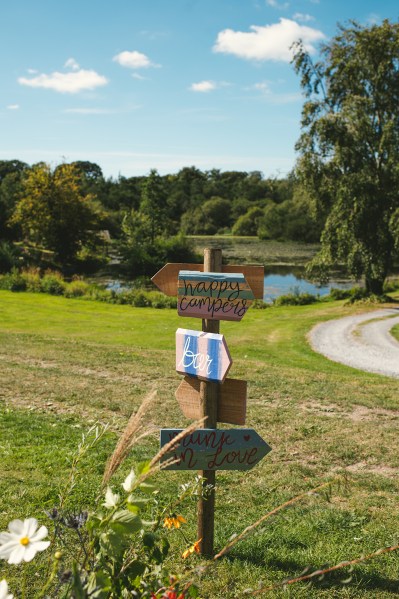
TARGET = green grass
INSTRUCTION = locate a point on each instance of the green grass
(395, 331)
(67, 363)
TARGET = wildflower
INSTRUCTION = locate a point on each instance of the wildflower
(111, 499)
(193, 549)
(75, 521)
(174, 521)
(4, 594)
(128, 483)
(23, 541)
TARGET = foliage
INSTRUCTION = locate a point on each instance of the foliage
(10, 256)
(295, 299)
(350, 148)
(53, 213)
(248, 223)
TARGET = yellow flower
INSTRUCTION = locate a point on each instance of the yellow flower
(174, 521)
(193, 549)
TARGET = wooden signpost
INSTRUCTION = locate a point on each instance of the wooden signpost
(213, 295)
(232, 400)
(213, 292)
(203, 355)
(166, 279)
(215, 449)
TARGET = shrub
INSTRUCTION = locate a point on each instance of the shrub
(339, 294)
(13, 281)
(32, 278)
(76, 288)
(53, 283)
(295, 299)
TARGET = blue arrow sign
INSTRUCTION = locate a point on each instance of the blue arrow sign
(215, 449)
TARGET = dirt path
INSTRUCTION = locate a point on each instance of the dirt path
(363, 341)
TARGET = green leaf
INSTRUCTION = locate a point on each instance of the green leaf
(193, 592)
(143, 468)
(77, 586)
(135, 569)
(137, 502)
(149, 539)
(126, 522)
(99, 585)
(148, 488)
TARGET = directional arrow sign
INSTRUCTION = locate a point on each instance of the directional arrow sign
(166, 278)
(215, 449)
(217, 296)
(232, 400)
(203, 355)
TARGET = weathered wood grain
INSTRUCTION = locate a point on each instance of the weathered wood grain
(232, 400)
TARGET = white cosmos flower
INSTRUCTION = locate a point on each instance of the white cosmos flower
(4, 594)
(23, 541)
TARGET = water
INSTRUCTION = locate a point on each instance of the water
(278, 281)
(283, 284)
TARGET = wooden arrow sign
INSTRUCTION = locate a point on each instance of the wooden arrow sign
(232, 400)
(212, 295)
(166, 278)
(202, 355)
(215, 449)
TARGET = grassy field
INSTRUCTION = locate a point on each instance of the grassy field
(68, 363)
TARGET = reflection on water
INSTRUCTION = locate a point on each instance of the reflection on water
(283, 280)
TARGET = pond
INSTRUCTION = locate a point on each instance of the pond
(277, 283)
(279, 280)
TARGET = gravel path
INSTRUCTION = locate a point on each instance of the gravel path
(361, 341)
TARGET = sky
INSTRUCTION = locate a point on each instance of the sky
(135, 85)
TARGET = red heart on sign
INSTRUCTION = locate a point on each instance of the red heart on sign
(247, 437)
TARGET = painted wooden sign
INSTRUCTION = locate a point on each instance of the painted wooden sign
(232, 400)
(213, 295)
(215, 449)
(166, 278)
(202, 355)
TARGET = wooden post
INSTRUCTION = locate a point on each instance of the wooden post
(209, 405)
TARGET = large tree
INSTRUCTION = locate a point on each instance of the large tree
(53, 213)
(349, 148)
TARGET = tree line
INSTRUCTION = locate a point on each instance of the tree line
(66, 210)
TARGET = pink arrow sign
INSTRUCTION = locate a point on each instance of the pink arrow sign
(202, 355)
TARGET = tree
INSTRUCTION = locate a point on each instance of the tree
(350, 147)
(53, 213)
(153, 203)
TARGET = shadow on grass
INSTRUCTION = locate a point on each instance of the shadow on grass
(357, 578)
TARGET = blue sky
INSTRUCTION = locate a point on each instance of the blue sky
(139, 84)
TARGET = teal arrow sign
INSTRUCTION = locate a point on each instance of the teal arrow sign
(215, 449)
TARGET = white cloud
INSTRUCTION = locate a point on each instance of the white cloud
(32, 71)
(133, 60)
(71, 83)
(277, 98)
(138, 76)
(275, 4)
(203, 86)
(72, 64)
(270, 42)
(88, 111)
(13, 107)
(300, 16)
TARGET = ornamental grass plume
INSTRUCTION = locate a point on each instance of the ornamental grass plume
(135, 430)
